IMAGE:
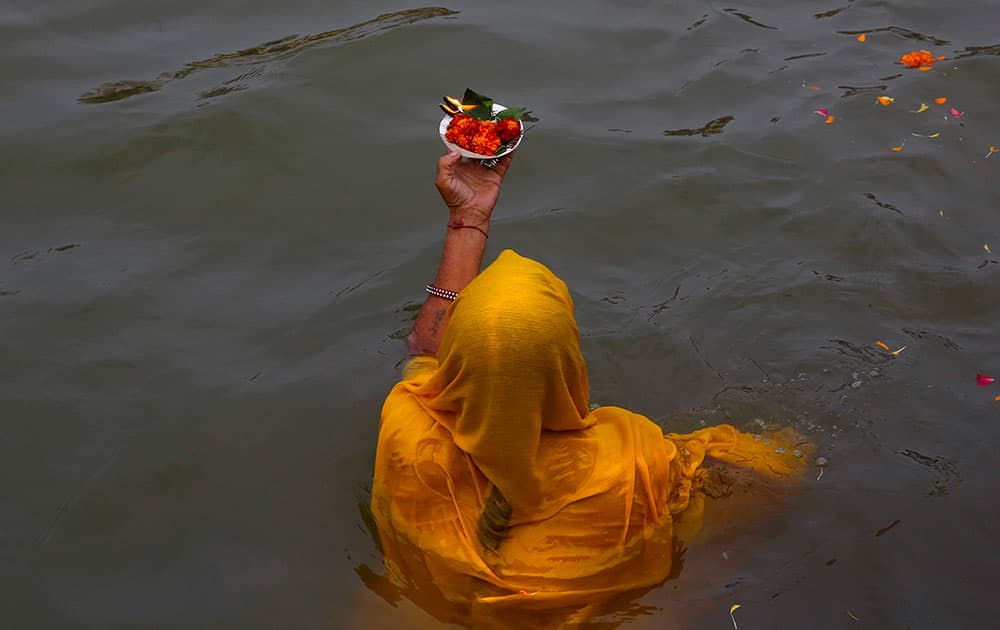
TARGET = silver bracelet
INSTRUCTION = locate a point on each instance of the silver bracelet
(442, 293)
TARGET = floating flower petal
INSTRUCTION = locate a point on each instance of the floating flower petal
(829, 120)
(917, 59)
(923, 108)
(941, 100)
(881, 345)
(822, 112)
(732, 609)
(862, 37)
(851, 615)
(933, 135)
(982, 380)
(897, 149)
(885, 101)
(986, 246)
(814, 88)
(895, 353)
(992, 151)
(954, 112)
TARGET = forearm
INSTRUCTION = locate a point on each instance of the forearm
(461, 261)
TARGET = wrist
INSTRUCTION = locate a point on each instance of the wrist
(469, 216)
(461, 225)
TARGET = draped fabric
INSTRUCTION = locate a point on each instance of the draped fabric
(495, 485)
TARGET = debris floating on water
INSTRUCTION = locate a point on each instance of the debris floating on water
(732, 609)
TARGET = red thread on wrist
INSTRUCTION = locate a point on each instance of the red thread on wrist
(458, 224)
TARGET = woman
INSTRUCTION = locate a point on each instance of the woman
(496, 487)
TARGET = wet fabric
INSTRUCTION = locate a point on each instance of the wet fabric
(495, 485)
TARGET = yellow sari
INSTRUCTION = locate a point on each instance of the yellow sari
(496, 487)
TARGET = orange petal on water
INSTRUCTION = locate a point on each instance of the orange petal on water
(897, 149)
(997, 398)
(814, 88)
(862, 37)
(991, 151)
(881, 345)
(851, 615)
(941, 100)
(885, 101)
(829, 120)
(925, 68)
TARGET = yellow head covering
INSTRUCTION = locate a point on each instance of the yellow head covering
(495, 485)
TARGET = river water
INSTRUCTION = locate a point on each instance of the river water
(218, 218)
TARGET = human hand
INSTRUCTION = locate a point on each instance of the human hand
(468, 188)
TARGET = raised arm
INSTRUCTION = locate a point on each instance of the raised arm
(470, 191)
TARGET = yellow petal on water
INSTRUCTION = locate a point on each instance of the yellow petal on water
(986, 246)
(732, 609)
(935, 135)
(851, 615)
(895, 353)
(923, 108)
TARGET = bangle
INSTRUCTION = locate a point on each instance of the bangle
(458, 224)
(442, 293)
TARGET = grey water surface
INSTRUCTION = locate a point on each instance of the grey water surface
(217, 219)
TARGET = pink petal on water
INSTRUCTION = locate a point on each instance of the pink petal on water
(982, 380)
(954, 112)
(822, 112)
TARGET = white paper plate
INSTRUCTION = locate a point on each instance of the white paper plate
(497, 108)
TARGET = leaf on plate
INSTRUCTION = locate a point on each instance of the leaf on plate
(484, 105)
(512, 112)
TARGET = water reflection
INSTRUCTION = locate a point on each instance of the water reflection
(712, 127)
(262, 53)
(974, 51)
(905, 33)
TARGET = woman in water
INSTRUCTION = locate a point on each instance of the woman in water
(497, 490)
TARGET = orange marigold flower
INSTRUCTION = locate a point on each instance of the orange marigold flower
(508, 129)
(918, 59)
(481, 136)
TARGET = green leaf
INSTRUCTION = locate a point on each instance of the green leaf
(512, 112)
(484, 105)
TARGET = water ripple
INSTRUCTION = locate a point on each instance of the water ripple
(262, 53)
